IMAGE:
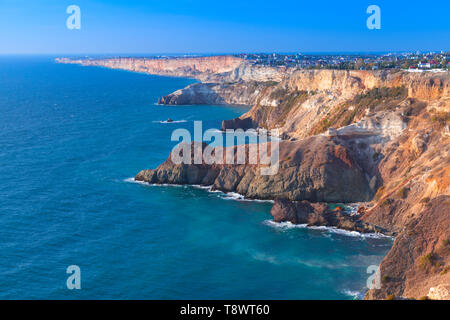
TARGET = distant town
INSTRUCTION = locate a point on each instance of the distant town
(414, 62)
(410, 61)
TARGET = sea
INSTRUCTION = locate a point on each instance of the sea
(71, 140)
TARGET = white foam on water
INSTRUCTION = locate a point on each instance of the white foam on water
(174, 121)
(239, 197)
(289, 225)
(132, 180)
(198, 186)
(352, 293)
(284, 225)
(228, 195)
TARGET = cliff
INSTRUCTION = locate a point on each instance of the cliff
(311, 101)
(193, 67)
(231, 93)
(378, 137)
(317, 169)
(391, 132)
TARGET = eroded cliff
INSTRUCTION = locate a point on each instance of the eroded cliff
(394, 126)
(381, 137)
(195, 67)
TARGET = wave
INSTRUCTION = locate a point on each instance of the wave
(132, 180)
(229, 195)
(289, 225)
(239, 197)
(357, 295)
(174, 121)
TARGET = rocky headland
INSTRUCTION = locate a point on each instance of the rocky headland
(381, 138)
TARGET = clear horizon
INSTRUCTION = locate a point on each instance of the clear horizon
(132, 54)
(201, 27)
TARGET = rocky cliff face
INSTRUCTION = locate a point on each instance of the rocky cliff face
(414, 201)
(195, 67)
(393, 127)
(382, 137)
(318, 169)
(311, 101)
(231, 93)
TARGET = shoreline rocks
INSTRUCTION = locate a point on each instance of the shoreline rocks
(319, 214)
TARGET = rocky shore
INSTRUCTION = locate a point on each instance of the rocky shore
(382, 137)
(351, 136)
(319, 214)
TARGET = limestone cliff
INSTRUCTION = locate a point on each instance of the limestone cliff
(382, 137)
(195, 67)
(311, 101)
(394, 126)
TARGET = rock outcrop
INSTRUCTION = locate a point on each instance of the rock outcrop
(235, 93)
(319, 214)
(392, 127)
(316, 169)
(349, 136)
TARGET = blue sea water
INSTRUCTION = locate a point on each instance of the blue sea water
(70, 139)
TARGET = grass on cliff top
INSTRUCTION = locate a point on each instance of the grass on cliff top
(376, 99)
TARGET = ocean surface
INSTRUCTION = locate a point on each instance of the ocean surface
(71, 137)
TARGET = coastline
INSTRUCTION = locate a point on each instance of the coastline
(281, 225)
(401, 118)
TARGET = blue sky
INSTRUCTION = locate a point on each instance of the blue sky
(200, 26)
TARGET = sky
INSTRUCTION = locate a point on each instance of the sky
(225, 26)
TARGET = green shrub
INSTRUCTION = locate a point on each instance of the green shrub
(428, 259)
